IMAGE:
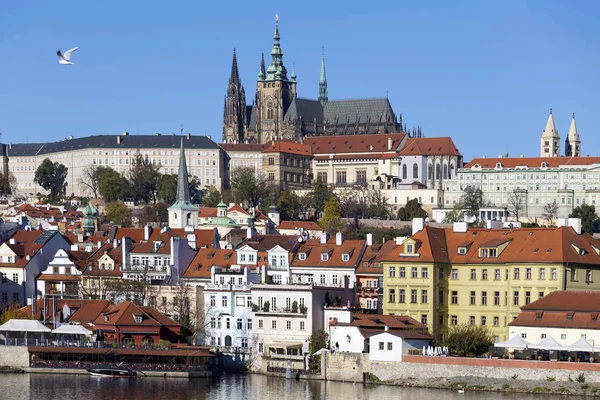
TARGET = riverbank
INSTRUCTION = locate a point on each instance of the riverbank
(10, 370)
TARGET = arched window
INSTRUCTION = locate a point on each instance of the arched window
(270, 110)
(429, 172)
(445, 174)
(404, 171)
(415, 171)
(451, 171)
(438, 172)
(189, 218)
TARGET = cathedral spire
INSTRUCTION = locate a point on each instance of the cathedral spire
(573, 142)
(262, 72)
(323, 80)
(183, 185)
(550, 140)
(276, 70)
(235, 76)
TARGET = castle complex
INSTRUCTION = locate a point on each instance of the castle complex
(277, 112)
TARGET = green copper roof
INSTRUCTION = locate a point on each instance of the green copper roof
(223, 221)
(262, 72)
(276, 71)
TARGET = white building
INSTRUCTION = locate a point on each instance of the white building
(271, 253)
(63, 276)
(228, 307)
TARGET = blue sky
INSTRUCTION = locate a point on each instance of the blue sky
(484, 73)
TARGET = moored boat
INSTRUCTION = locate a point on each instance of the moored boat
(112, 372)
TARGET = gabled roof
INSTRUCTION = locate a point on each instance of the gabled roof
(267, 242)
(28, 243)
(207, 212)
(125, 313)
(83, 311)
(370, 261)
(531, 162)
(205, 258)
(314, 249)
(289, 147)
(358, 111)
(567, 300)
(380, 321)
(429, 147)
(355, 146)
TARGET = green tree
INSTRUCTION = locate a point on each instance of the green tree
(167, 188)
(248, 187)
(52, 177)
(118, 213)
(471, 201)
(378, 205)
(289, 205)
(8, 184)
(456, 215)
(589, 219)
(143, 179)
(211, 197)
(157, 213)
(318, 340)
(112, 186)
(411, 210)
(317, 197)
(468, 340)
(332, 218)
(517, 202)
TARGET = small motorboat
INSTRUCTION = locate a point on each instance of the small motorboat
(112, 372)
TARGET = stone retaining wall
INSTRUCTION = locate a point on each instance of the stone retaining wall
(14, 356)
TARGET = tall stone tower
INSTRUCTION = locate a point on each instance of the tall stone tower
(572, 142)
(274, 93)
(235, 118)
(550, 141)
(183, 213)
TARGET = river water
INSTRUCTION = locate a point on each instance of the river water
(230, 387)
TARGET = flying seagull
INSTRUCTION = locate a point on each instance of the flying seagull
(66, 58)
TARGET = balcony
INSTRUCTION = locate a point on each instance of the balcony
(144, 268)
(278, 267)
(368, 291)
(283, 311)
(227, 287)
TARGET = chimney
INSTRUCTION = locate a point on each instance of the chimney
(188, 136)
(115, 243)
(575, 223)
(12, 241)
(324, 237)
(147, 232)
(192, 241)
(417, 225)
(339, 238)
(99, 244)
(126, 249)
(389, 143)
(249, 233)
(460, 227)
(369, 239)
(125, 133)
(118, 139)
(386, 328)
(399, 240)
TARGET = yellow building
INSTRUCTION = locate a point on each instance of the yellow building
(450, 276)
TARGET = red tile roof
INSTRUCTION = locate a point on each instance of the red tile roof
(289, 147)
(125, 313)
(370, 263)
(314, 249)
(243, 147)
(531, 162)
(267, 242)
(376, 323)
(83, 311)
(207, 212)
(429, 147)
(355, 144)
(206, 258)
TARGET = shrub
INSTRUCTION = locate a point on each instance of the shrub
(303, 309)
(294, 306)
(255, 307)
(585, 386)
(580, 378)
(468, 340)
(505, 386)
(266, 306)
(550, 378)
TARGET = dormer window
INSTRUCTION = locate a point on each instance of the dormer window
(138, 319)
(302, 256)
(409, 248)
(345, 257)
(462, 250)
(324, 256)
(544, 164)
(499, 165)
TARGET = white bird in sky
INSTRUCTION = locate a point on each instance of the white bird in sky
(66, 58)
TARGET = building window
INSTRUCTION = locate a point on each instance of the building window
(496, 298)
(301, 325)
(527, 297)
(414, 272)
(413, 296)
(496, 274)
(472, 298)
(392, 272)
(424, 319)
(472, 320)
(324, 256)
(322, 279)
(454, 274)
(213, 322)
(553, 274)
(288, 325)
(516, 298)
(496, 321)
(271, 160)
(484, 274)
(454, 297)
(424, 273)
(453, 320)
(483, 320)
(213, 301)
(249, 324)
(415, 171)
(273, 324)
(239, 324)
(573, 275)
(527, 273)
(392, 296)
(441, 297)
(361, 177)
(340, 177)
(409, 248)
(424, 296)
(271, 176)
(563, 336)
(484, 298)
(402, 272)
(138, 319)
(224, 301)
(260, 324)
(516, 273)
(473, 274)
(588, 275)
(542, 273)
(381, 345)
(402, 296)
